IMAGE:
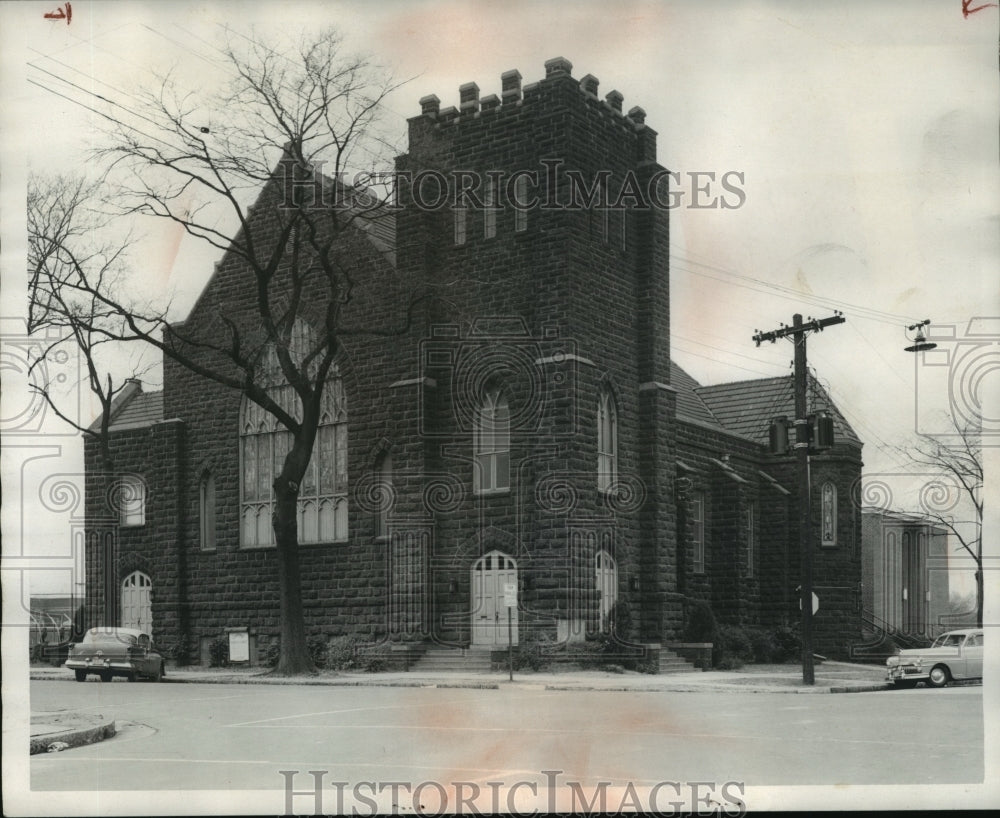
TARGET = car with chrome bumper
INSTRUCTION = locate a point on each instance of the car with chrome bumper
(110, 652)
(954, 656)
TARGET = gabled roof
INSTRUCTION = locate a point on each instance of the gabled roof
(747, 408)
(133, 409)
(145, 409)
(690, 406)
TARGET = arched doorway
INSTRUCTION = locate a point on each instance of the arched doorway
(490, 573)
(607, 586)
(137, 602)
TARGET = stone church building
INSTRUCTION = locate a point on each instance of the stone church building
(530, 430)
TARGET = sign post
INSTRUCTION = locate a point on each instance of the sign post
(510, 602)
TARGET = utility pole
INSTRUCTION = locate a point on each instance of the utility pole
(797, 332)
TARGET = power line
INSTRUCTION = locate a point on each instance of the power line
(679, 262)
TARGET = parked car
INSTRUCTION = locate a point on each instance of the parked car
(110, 652)
(953, 656)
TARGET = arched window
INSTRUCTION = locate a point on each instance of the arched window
(492, 444)
(698, 532)
(607, 441)
(322, 507)
(828, 520)
(206, 511)
(607, 587)
(383, 474)
(132, 511)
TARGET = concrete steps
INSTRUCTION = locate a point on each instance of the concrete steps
(454, 660)
(670, 662)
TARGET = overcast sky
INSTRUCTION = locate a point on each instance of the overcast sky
(866, 134)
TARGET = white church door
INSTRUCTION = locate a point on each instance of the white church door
(137, 602)
(607, 586)
(489, 614)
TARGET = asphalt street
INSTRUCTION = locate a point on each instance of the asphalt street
(229, 737)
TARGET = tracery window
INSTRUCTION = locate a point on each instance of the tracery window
(264, 443)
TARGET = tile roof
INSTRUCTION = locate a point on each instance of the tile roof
(689, 405)
(144, 409)
(747, 407)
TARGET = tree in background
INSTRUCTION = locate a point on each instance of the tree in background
(197, 161)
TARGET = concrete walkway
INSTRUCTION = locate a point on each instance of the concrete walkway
(53, 731)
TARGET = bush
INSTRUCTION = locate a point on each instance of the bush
(342, 653)
(701, 625)
(218, 652)
(765, 646)
(620, 620)
(533, 652)
(789, 643)
(732, 647)
(319, 649)
(273, 652)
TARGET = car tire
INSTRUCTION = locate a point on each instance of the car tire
(132, 676)
(81, 675)
(105, 675)
(158, 676)
(905, 684)
(938, 677)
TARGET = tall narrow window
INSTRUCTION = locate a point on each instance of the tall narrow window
(492, 445)
(521, 204)
(460, 217)
(322, 505)
(751, 525)
(385, 494)
(490, 213)
(828, 519)
(132, 499)
(607, 441)
(698, 532)
(206, 516)
(603, 213)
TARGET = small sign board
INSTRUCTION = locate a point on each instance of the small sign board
(510, 594)
(239, 646)
(815, 602)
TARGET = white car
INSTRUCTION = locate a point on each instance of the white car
(953, 656)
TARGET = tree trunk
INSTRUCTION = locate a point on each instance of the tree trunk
(294, 657)
(979, 597)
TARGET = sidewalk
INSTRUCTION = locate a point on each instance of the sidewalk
(58, 730)
(830, 677)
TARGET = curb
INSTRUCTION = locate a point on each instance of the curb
(723, 688)
(78, 737)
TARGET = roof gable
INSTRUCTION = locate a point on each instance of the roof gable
(748, 407)
(690, 406)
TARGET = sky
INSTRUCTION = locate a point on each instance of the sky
(866, 134)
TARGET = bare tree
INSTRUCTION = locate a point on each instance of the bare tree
(303, 247)
(67, 267)
(954, 500)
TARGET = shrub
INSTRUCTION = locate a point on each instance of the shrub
(732, 647)
(273, 652)
(766, 648)
(218, 652)
(789, 643)
(533, 652)
(342, 653)
(319, 649)
(620, 620)
(701, 625)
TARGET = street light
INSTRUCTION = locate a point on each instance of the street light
(920, 343)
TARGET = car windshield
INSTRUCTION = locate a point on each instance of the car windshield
(949, 640)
